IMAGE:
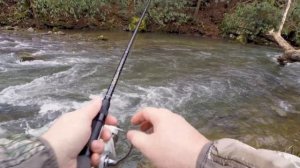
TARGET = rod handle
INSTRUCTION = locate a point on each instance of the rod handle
(83, 162)
(97, 125)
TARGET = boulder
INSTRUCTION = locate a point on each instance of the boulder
(101, 37)
(26, 57)
(30, 29)
(279, 111)
(242, 39)
(59, 33)
(9, 28)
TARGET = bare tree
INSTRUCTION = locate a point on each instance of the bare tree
(197, 9)
(290, 54)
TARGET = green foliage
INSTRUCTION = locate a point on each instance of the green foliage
(66, 13)
(134, 22)
(292, 26)
(169, 11)
(68, 8)
(254, 20)
(251, 20)
(1, 2)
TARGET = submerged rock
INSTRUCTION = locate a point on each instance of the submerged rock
(279, 111)
(59, 33)
(31, 30)
(9, 28)
(26, 57)
(101, 37)
(242, 39)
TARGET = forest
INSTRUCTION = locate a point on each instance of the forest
(244, 20)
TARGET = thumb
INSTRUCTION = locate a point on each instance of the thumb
(138, 139)
(92, 108)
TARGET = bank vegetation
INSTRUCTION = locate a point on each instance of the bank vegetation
(248, 21)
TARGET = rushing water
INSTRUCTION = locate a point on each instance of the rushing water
(223, 89)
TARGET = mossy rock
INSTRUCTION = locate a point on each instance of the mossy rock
(9, 28)
(242, 39)
(26, 57)
(55, 29)
(133, 23)
(102, 38)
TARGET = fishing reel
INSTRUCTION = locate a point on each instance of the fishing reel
(109, 156)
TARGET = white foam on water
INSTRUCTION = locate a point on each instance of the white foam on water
(286, 106)
(170, 96)
(39, 53)
(2, 69)
(273, 55)
(2, 131)
(50, 107)
(60, 106)
(40, 62)
(39, 131)
(4, 42)
(93, 71)
(173, 48)
(37, 91)
(76, 60)
(205, 53)
(54, 106)
(22, 45)
(8, 58)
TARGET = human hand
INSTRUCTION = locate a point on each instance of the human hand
(166, 138)
(71, 132)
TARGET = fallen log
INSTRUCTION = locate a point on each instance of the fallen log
(291, 54)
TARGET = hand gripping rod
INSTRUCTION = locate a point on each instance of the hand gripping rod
(83, 160)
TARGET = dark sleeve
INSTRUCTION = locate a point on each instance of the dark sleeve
(27, 152)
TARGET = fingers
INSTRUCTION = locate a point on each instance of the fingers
(97, 146)
(146, 126)
(147, 114)
(92, 108)
(138, 139)
(105, 134)
(111, 120)
(95, 159)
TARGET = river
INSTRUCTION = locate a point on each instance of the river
(222, 88)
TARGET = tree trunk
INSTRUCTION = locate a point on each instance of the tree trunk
(197, 9)
(131, 7)
(290, 53)
(289, 56)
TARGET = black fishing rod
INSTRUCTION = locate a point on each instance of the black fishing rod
(83, 160)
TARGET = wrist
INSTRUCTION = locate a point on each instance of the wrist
(203, 155)
(55, 147)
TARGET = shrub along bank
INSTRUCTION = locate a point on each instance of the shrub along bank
(251, 22)
(245, 20)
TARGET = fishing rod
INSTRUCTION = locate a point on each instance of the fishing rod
(83, 160)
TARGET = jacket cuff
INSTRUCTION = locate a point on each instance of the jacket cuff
(27, 151)
(52, 159)
(232, 153)
(203, 156)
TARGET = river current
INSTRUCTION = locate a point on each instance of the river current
(222, 88)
